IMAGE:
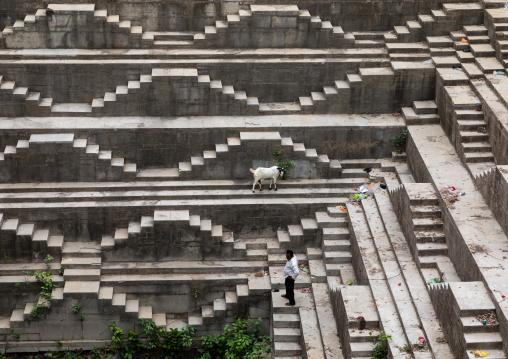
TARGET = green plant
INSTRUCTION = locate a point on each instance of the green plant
(380, 342)
(116, 337)
(196, 294)
(133, 344)
(17, 285)
(81, 317)
(6, 260)
(76, 309)
(400, 141)
(2, 355)
(61, 270)
(177, 339)
(242, 339)
(121, 154)
(48, 260)
(153, 333)
(46, 280)
(408, 348)
(72, 355)
(60, 345)
(16, 335)
(98, 353)
(282, 163)
(351, 281)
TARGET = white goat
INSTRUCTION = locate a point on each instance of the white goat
(271, 173)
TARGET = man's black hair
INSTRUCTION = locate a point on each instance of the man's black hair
(290, 252)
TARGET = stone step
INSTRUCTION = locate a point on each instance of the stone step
(279, 304)
(337, 257)
(361, 349)
(432, 249)
(286, 321)
(354, 173)
(483, 340)
(425, 107)
(287, 349)
(471, 125)
(257, 254)
(182, 267)
(280, 107)
(172, 43)
(361, 336)
(81, 289)
(82, 274)
(476, 147)
(341, 245)
(407, 48)
(473, 325)
(479, 157)
(427, 224)
(324, 220)
(81, 249)
(430, 236)
(425, 211)
(475, 30)
(493, 354)
(469, 115)
(473, 136)
(439, 41)
(336, 211)
(286, 335)
(81, 262)
(335, 233)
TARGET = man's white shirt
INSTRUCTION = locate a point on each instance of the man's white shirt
(291, 268)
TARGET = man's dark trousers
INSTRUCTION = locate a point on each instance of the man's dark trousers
(290, 290)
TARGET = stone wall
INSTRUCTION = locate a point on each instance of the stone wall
(270, 81)
(168, 146)
(164, 15)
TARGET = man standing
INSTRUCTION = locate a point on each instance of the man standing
(290, 273)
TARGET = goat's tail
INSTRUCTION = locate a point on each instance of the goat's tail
(251, 171)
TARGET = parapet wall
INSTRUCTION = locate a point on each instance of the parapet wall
(494, 187)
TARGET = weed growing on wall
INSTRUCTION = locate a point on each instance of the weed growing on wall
(380, 342)
(46, 280)
(282, 163)
(400, 141)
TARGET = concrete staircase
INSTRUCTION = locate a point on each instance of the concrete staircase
(204, 164)
(138, 236)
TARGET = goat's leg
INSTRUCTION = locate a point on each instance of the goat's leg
(260, 185)
(275, 183)
(271, 180)
(254, 184)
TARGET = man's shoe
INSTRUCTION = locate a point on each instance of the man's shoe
(290, 305)
(284, 296)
